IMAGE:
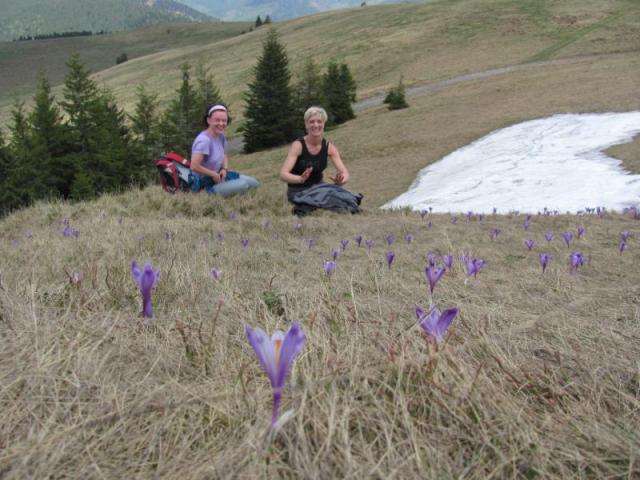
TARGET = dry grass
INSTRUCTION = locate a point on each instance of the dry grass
(539, 377)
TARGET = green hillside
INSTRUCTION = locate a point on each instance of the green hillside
(28, 18)
(537, 378)
(20, 62)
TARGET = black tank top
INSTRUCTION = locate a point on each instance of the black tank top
(306, 159)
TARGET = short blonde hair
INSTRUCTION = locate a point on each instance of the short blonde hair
(311, 111)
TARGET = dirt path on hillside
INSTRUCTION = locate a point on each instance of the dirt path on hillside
(235, 144)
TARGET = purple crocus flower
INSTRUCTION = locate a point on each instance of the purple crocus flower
(448, 261)
(216, 274)
(390, 256)
(335, 254)
(624, 235)
(493, 234)
(408, 238)
(544, 260)
(168, 235)
(576, 260)
(232, 214)
(622, 246)
(244, 242)
(329, 267)
(423, 213)
(436, 324)
(75, 278)
(567, 237)
(429, 224)
(431, 260)
(529, 243)
(276, 355)
(310, 243)
(344, 244)
(548, 237)
(454, 220)
(369, 244)
(358, 240)
(526, 224)
(220, 236)
(580, 231)
(391, 238)
(474, 266)
(28, 235)
(433, 275)
(146, 280)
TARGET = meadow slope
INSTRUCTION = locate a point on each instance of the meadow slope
(539, 377)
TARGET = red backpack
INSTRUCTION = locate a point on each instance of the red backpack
(174, 172)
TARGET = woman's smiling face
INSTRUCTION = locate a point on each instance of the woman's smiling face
(314, 125)
(218, 121)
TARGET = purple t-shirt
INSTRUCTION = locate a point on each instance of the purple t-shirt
(211, 148)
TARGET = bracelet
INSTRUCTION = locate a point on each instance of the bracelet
(224, 168)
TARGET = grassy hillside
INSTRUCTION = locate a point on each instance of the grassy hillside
(538, 378)
(423, 43)
(21, 61)
(37, 17)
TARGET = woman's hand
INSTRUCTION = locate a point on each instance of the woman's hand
(306, 174)
(223, 174)
(216, 177)
(340, 178)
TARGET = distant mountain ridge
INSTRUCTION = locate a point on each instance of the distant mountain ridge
(42, 17)
(234, 10)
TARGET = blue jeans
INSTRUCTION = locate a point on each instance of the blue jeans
(233, 184)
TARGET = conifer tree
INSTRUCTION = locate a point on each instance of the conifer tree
(338, 92)
(395, 98)
(267, 20)
(145, 128)
(182, 122)
(46, 125)
(258, 22)
(348, 83)
(8, 197)
(208, 91)
(308, 90)
(270, 118)
(23, 176)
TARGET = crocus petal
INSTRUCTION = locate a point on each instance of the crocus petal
(444, 322)
(290, 348)
(265, 351)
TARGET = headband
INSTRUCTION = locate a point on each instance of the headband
(217, 108)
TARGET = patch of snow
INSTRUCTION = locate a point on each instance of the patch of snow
(556, 163)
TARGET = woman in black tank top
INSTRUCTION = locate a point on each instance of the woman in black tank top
(307, 157)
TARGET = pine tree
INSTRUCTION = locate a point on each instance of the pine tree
(208, 91)
(258, 22)
(348, 83)
(46, 125)
(24, 174)
(80, 97)
(182, 120)
(395, 98)
(338, 92)
(308, 90)
(270, 118)
(267, 20)
(145, 129)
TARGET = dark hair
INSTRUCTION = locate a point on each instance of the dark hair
(209, 107)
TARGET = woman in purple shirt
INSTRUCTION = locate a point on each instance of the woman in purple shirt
(209, 160)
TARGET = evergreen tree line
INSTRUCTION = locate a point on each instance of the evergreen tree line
(275, 104)
(85, 145)
(44, 36)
